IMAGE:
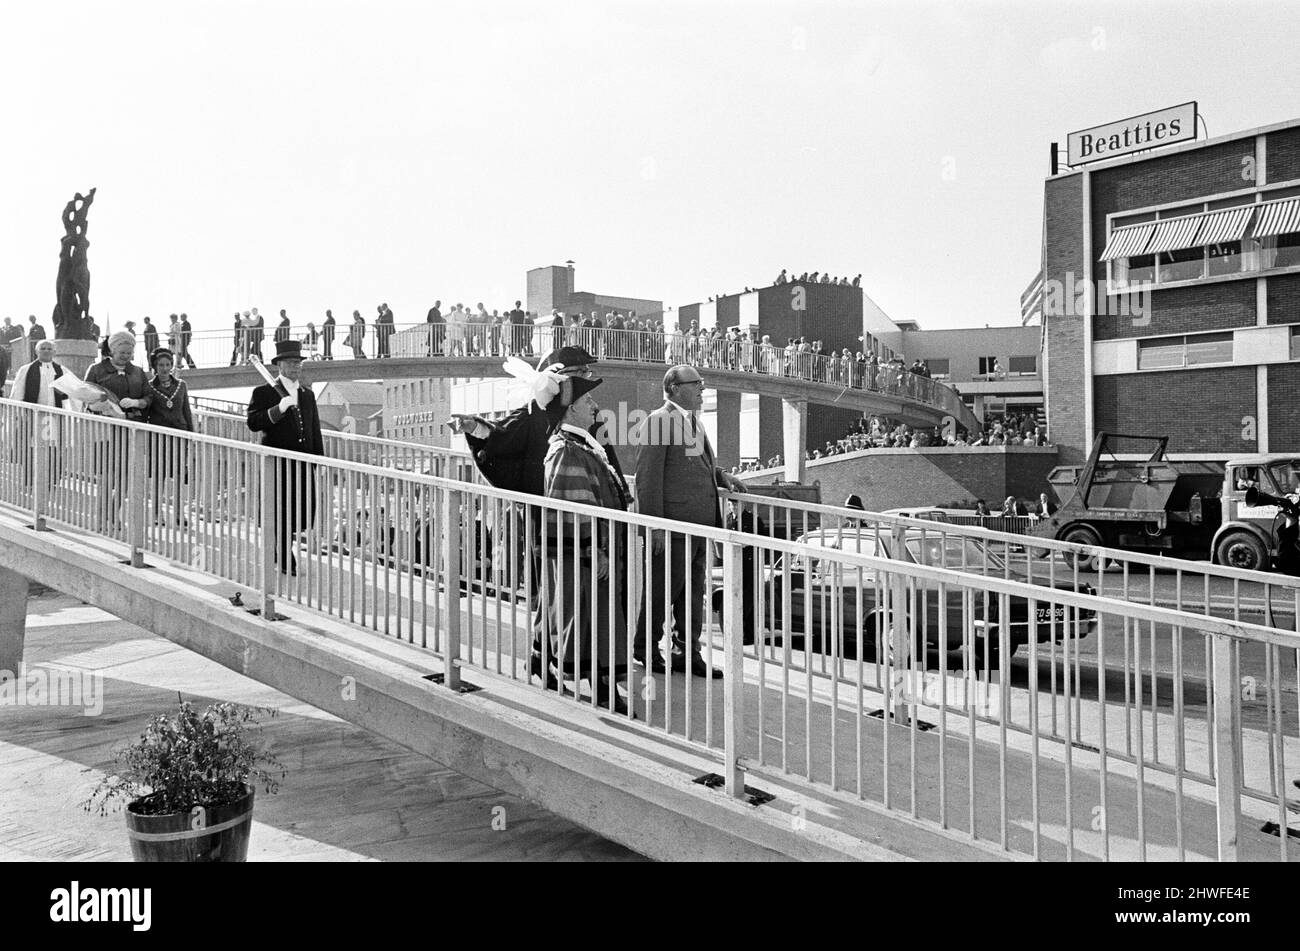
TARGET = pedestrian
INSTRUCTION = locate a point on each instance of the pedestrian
(150, 337)
(9, 336)
(283, 328)
(437, 329)
(677, 478)
(34, 383)
(169, 408)
(186, 333)
(589, 621)
(34, 335)
(174, 333)
(257, 336)
(238, 351)
(511, 452)
(128, 396)
(285, 414)
(327, 335)
(357, 336)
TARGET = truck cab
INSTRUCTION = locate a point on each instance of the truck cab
(1246, 538)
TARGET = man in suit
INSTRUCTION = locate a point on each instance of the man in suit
(677, 478)
(187, 331)
(285, 414)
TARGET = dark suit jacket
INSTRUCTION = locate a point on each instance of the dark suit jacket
(513, 455)
(673, 479)
(297, 430)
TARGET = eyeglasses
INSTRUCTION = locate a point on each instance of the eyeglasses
(690, 382)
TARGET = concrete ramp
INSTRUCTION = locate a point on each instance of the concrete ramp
(626, 782)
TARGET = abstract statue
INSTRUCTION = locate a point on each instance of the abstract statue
(72, 287)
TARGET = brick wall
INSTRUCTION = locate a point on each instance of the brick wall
(1063, 371)
(1186, 310)
(893, 478)
(1284, 155)
(1283, 401)
(1284, 299)
(1199, 410)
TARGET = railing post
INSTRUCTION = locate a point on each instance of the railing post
(452, 540)
(41, 446)
(270, 541)
(1227, 749)
(900, 644)
(137, 505)
(733, 664)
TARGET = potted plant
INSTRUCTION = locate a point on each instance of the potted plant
(188, 783)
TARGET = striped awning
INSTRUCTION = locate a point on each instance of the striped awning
(1126, 242)
(1175, 234)
(1031, 301)
(1226, 225)
(1278, 217)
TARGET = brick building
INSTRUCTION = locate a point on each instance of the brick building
(1172, 296)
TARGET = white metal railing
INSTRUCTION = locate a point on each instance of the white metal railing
(871, 616)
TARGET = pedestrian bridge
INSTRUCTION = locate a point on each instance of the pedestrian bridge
(635, 358)
(835, 732)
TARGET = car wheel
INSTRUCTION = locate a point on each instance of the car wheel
(1242, 550)
(1084, 535)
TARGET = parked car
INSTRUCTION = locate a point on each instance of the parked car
(826, 599)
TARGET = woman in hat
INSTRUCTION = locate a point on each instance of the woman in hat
(585, 563)
(169, 408)
(129, 396)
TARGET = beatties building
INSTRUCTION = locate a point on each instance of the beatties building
(1192, 326)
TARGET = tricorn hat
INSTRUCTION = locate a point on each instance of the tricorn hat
(566, 357)
(287, 350)
(570, 392)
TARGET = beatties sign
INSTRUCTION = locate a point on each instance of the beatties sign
(1175, 124)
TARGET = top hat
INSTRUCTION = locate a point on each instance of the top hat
(566, 357)
(287, 350)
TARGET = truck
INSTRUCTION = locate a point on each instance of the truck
(1184, 509)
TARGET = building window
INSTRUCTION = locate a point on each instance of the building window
(1280, 251)
(989, 366)
(1027, 364)
(938, 367)
(1139, 269)
(1295, 343)
(1185, 265)
(1226, 258)
(1164, 353)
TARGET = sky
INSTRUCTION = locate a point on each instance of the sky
(341, 154)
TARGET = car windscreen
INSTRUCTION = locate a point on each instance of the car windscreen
(951, 551)
(1286, 476)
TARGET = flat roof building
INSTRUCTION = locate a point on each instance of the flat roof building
(1171, 296)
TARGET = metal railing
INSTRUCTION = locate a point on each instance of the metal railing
(878, 666)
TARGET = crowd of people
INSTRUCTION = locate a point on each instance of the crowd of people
(879, 432)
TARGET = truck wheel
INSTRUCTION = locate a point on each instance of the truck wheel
(1242, 550)
(1083, 535)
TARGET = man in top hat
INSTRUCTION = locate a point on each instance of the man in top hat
(511, 454)
(285, 414)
